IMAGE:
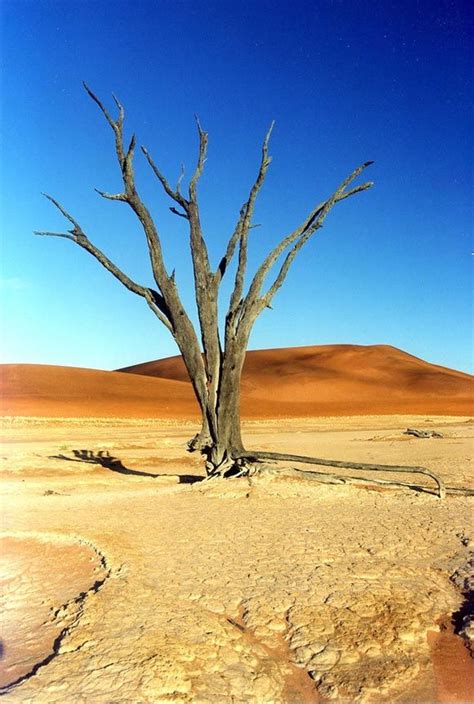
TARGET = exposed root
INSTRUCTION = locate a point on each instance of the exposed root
(422, 433)
(250, 463)
(338, 479)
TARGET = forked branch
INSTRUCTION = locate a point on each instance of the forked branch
(174, 194)
(246, 211)
(165, 302)
(154, 299)
(254, 302)
(243, 230)
(130, 194)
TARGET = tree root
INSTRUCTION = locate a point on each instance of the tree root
(250, 463)
(339, 479)
(325, 478)
(423, 433)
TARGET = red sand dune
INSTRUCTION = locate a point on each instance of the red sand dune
(302, 381)
(42, 390)
(338, 380)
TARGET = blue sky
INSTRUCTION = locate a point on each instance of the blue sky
(345, 82)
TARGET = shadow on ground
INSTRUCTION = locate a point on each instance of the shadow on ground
(105, 459)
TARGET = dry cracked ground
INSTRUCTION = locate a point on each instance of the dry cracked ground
(127, 580)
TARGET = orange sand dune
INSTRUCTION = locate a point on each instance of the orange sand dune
(42, 390)
(338, 380)
(303, 381)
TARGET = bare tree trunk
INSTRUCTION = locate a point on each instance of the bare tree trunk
(221, 441)
(229, 446)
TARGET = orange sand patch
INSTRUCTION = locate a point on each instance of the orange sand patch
(453, 666)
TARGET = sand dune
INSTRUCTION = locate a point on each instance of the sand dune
(330, 380)
(42, 390)
(338, 380)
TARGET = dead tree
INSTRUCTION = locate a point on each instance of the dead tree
(215, 368)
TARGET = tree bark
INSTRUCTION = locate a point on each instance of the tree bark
(229, 444)
(221, 441)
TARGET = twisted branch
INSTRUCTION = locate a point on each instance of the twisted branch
(165, 302)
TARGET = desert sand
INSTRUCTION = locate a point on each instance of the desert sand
(127, 579)
(325, 380)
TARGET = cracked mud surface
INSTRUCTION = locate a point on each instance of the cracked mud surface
(272, 591)
(44, 581)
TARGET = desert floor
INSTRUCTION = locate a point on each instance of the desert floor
(126, 580)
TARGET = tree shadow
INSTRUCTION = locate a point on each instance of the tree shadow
(105, 459)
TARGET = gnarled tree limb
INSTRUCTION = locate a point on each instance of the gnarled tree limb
(254, 303)
(154, 299)
(179, 322)
(330, 478)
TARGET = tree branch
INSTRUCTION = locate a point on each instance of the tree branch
(199, 253)
(205, 286)
(203, 141)
(77, 235)
(173, 194)
(111, 196)
(180, 178)
(246, 211)
(332, 478)
(165, 303)
(130, 194)
(176, 212)
(63, 211)
(244, 229)
(116, 125)
(104, 110)
(181, 326)
(253, 305)
(206, 297)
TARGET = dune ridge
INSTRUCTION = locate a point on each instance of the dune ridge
(324, 380)
(338, 380)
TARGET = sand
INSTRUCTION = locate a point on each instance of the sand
(68, 392)
(328, 380)
(338, 380)
(133, 582)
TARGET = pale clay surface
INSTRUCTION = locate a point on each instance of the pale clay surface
(215, 592)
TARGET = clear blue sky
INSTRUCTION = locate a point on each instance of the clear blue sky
(345, 80)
